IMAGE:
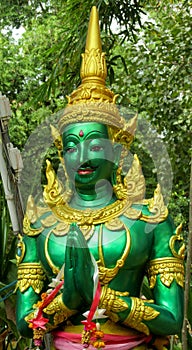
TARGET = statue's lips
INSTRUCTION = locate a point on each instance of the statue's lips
(85, 171)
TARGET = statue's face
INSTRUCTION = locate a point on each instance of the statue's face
(88, 153)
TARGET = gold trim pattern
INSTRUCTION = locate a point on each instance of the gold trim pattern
(30, 275)
(156, 207)
(53, 193)
(107, 274)
(173, 239)
(31, 210)
(87, 230)
(21, 248)
(61, 229)
(133, 214)
(135, 181)
(140, 312)
(169, 269)
(28, 230)
(133, 184)
(50, 220)
(93, 111)
(30, 316)
(31, 217)
(59, 310)
(114, 225)
(109, 300)
(89, 216)
(53, 267)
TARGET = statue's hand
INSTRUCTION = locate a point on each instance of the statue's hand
(78, 272)
(71, 296)
(84, 267)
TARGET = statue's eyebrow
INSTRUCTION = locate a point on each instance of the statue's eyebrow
(72, 137)
(95, 133)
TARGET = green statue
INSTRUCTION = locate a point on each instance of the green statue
(84, 255)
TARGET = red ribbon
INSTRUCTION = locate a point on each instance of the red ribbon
(87, 323)
(39, 321)
(51, 296)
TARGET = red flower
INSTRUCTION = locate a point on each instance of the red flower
(39, 321)
(89, 326)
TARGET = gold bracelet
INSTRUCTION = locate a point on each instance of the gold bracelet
(109, 300)
(169, 269)
(139, 312)
(59, 310)
(30, 275)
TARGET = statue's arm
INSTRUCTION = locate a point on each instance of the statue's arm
(30, 284)
(166, 278)
(164, 314)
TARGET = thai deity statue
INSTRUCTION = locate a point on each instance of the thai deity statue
(84, 255)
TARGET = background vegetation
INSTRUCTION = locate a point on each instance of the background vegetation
(148, 48)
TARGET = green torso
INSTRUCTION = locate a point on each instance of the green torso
(123, 246)
(114, 245)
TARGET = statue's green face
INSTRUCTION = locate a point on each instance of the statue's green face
(88, 153)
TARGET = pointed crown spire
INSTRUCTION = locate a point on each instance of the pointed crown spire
(93, 67)
(92, 101)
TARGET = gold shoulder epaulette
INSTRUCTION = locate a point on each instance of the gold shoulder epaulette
(156, 207)
(31, 217)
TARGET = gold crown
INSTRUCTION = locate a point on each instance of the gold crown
(92, 101)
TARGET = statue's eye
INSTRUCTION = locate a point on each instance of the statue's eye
(96, 148)
(71, 149)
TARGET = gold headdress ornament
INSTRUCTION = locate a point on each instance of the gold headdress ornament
(93, 101)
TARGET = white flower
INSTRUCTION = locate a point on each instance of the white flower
(99, 313)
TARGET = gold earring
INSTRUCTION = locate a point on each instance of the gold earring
(120, 188)
(59, 145)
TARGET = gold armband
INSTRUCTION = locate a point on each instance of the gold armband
(30, 275)
(59, 310)
(169, 269)
(140, 312)
(109, 300)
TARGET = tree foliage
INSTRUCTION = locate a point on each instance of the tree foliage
(158, 85)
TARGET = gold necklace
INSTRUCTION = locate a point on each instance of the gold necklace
(53, 267)
(108, 274)
(91, 216)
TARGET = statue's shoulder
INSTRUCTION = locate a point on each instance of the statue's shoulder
(151, 210)
(35, 217)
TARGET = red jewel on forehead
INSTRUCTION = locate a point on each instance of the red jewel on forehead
(81, 133)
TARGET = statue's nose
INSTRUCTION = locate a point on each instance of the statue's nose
(82, 153)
